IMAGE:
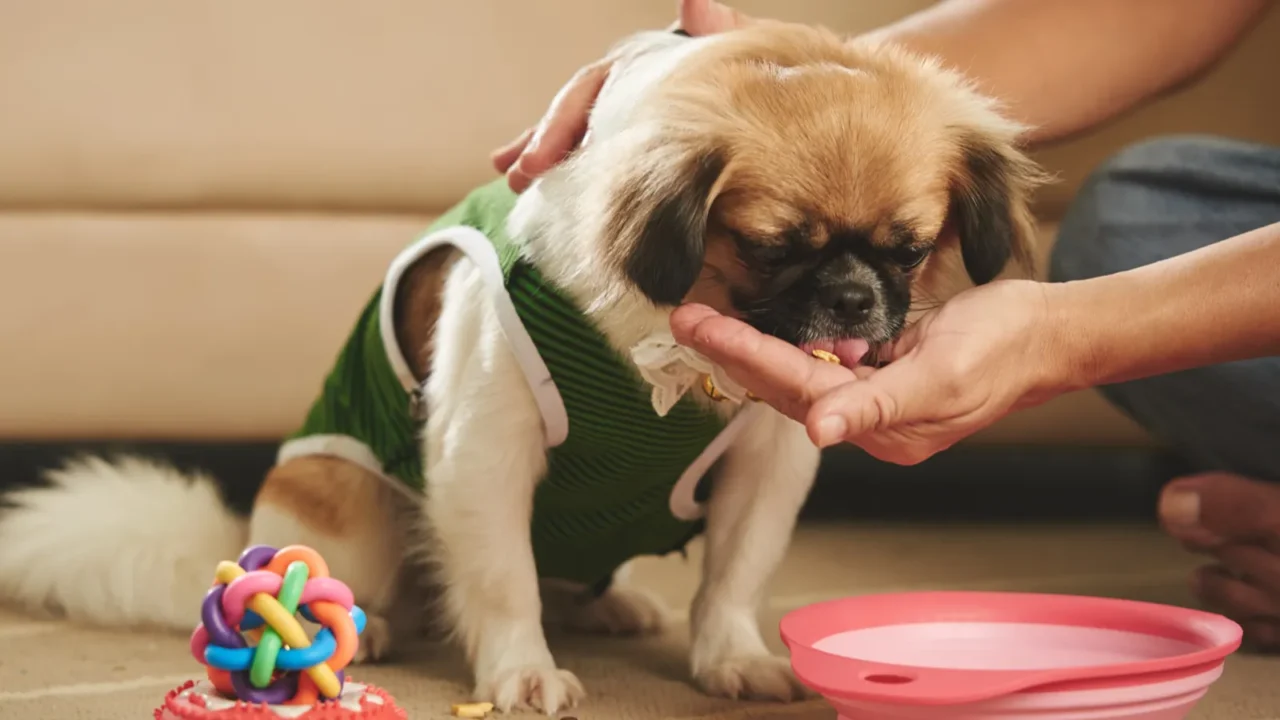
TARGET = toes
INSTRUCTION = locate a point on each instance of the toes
(1229, 594)
(1237, 520)
(375, 641)
(572, 691)
(1237, 589)
(1255, 565)
(1212, 509)
(543, 688)
(762, 677)
(1262, 635)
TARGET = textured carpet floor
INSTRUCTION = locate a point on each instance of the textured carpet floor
(49, 669)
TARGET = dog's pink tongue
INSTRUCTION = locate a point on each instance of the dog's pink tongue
(849, 350)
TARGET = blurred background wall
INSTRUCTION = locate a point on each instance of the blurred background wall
(197, 198)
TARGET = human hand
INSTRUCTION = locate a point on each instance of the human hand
(542, 147)
(990, 350)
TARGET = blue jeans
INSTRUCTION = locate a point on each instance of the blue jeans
(1162, 198)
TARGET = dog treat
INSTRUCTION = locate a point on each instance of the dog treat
(472, 710)
(824, 355)
(260, 661)
(709, 387)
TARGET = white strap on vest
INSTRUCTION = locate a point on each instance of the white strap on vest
(555, 418)
(682, 502)
(480, 251)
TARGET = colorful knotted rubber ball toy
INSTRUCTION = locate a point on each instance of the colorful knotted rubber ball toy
(257, 655)
(257, 599)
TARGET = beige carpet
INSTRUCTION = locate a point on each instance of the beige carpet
(52, 670)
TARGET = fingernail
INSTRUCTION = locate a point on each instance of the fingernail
(1181, 508)
(831, 430)
(517, 180)
(534, 141)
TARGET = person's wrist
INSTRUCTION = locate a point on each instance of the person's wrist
(1072, 360)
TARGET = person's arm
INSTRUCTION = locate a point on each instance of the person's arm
(1061, 66)
(1214, 305)
(1012, 344)
(1065, 66)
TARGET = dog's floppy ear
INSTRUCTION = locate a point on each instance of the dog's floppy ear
(990, 205)
(657, 218)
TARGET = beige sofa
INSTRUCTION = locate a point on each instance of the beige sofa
(196, 198)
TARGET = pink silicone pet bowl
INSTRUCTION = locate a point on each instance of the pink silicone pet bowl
(1006, 656)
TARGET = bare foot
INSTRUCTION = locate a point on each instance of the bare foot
(1237, 522)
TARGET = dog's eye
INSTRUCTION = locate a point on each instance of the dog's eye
(759, 251)
(769, 253)
(909, 256)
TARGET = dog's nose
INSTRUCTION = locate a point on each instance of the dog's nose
(851, 301)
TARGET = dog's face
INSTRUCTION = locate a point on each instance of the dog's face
(807, 186)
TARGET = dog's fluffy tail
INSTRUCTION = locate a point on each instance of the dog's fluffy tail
(128, 542)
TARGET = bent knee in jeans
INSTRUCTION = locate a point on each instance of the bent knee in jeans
(1162, 198)
(1166, 197)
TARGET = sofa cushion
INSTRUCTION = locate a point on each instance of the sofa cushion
(179, 325)
(333, 105)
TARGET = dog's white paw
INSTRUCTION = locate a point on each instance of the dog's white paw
(752, 677)
(375, 641)
(545, 688)
(620, 611)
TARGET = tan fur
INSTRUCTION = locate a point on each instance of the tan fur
(776, 101)
(329, 495)
(758, 136)
(417, 308)
(355, 520)
(764, 98)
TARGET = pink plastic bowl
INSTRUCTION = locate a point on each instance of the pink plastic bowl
(1011, 656)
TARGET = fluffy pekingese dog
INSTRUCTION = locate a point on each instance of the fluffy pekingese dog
(485, 427)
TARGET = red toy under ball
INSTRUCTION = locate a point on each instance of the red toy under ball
(201, 701)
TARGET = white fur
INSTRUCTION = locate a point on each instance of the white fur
(481, 492)
(623, 609)
(136, 542)
(365, 562)
(366, 559)
(561, 216)
(126, 543)
(766, 477)
(485, 455)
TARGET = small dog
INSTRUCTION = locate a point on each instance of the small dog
(484, 418)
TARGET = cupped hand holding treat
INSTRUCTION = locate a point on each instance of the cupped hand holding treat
(1012, 344)
(958, 369)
